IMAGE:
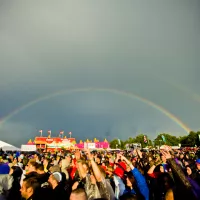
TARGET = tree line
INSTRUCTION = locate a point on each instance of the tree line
(190, 140)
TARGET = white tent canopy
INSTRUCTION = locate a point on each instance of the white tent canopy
(8, 147)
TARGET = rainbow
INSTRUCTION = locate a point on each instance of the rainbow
(192, 94)
(187, 91)
(114, 91)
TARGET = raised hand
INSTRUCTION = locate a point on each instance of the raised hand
(123, 158)
(75, 185)
(139, 153)
(166, 154)
(77, 155)
(89, 155)
(93, 180)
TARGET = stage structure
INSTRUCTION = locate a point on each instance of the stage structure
(52, 144)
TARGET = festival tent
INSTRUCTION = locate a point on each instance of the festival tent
(8, 147)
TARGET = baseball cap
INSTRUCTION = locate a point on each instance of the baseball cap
(198, 161)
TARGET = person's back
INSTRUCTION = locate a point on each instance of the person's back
(64, 165)
(44, 193)
(14, 192)
(60, 193)
(6, 182)
(110, 189)
(58, 185)
(128, 197)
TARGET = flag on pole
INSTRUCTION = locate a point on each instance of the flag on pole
(70, 133)
(40, 131)
(119, 142)
(163, 138)
(145, 139)
(61, 133)
(49, 133)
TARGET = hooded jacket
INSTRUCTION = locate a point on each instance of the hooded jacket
(5, 185)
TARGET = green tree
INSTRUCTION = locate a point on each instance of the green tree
(169, 140)
(140, 139)
(114, 144)
(190, 140)
(123, 143)
(129, 141)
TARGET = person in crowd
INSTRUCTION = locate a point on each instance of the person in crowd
(14, 192)
(6, 183)
(20, 161)
(30, 189)
(55, 181)
(119, 179)
(190, 171)
(128, 196)
(65, 163)
(98, 160)
(46, 163)
(198, 171)
(163, 174)
(136, 181)
(4, 167)
(31, 166)
(78, 194)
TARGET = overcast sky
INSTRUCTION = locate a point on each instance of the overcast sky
(149, 48)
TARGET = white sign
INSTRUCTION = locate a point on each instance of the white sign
(28, 147)
(91, 145)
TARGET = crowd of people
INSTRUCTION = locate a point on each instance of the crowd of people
(163, 174)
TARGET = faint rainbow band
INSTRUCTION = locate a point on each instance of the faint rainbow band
(114, 91)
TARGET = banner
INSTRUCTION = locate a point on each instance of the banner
(89, 145)
(163, 138)
(145, 139)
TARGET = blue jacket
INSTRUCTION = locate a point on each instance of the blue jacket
(119, 187)
(4, 168)
(141, 184)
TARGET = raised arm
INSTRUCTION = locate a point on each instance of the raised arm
(81, 171)
(176, 169)
(95, 168)
(128, 162)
